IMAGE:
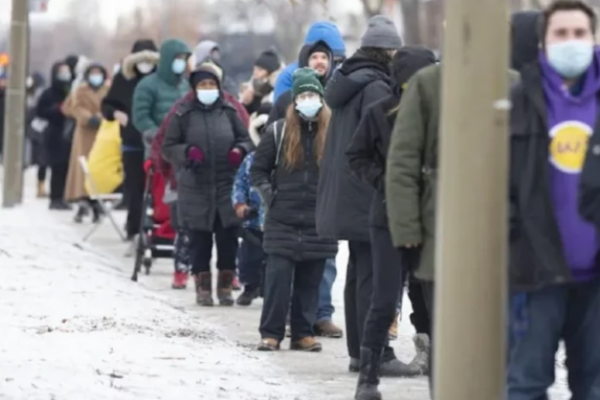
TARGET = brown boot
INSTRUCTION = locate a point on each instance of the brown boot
(225, 287)
(204, 289)
(308, 344)
(41, 190)
(328, 329)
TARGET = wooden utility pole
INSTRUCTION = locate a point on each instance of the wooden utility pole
(14, 112)
(471, 263)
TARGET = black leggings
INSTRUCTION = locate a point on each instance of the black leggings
(201, 244)
(133, 190)
(58, 181)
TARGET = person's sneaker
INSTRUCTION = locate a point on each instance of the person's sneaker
(247, 296)
(328, 329)
(268, 344)
(308, 344)
(422, 345)
(180, 280)
(393, 331)
(397, 369)
(235, 285)
(59, 205)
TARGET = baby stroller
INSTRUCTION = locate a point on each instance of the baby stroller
(156, 234)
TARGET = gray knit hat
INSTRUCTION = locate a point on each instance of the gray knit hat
(381, 33)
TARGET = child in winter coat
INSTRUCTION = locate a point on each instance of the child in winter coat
(248, 207)
(286, 173)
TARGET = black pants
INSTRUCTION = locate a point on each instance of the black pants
(419, 318)
(299, 281)
(58, 181)
(357, 294)
(201, 244)
(251, 263)
(41, 173)
(133, 189)
(428, 297)
(389, 265)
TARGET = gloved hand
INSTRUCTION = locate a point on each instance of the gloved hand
(235, 157)
(194, 157)
(94, 122)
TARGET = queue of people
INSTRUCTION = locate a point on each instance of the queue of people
(337, 147)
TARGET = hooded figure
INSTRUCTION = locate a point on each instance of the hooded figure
(206, 142)
(84, 105)
(325, 31)
(208, 50)
(320, 46)
(57, 144)
(366, 157)
(117, 104)
(158, 92)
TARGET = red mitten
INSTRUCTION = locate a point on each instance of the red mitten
(235, 157)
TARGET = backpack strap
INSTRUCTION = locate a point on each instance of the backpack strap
(279, 135)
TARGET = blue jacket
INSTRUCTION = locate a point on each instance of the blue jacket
(325, 31)
(244, 193)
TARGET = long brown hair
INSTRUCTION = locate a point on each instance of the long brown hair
(292, 143)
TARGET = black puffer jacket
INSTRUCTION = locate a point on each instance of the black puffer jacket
(56, 140)
(368, 149)
(205, 192)
(290, 197)
(343, 200)
(120, 94)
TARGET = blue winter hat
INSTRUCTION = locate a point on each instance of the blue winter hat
(330, 34)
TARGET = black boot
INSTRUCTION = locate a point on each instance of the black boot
(59, 205)
(82, 212)
(392, 367)
(96, 212)
(368, 378)
(248, 295)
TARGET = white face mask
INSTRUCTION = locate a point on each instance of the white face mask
(145, 67)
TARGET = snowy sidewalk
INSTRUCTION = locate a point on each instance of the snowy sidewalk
(72, 327)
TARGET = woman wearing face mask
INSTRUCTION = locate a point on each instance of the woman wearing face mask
(116, 105)
(83, 105)
(286, 172)
(206, 142)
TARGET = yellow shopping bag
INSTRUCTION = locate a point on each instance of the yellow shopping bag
(104, 161)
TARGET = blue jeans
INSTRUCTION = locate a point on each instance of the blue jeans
(569, 312)
(326, 309)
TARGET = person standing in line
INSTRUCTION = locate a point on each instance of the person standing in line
(56, 134)
(206, 142)
(366, 156)
(343, 201)
(117, 104)
(554, 185)
(286, 172)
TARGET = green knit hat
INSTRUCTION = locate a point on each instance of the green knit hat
(306, 80)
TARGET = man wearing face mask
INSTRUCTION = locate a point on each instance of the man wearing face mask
(117, 105)
(343, 202)
(555, 208)
(158, 91)
(260, 91)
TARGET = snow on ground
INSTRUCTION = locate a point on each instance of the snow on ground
(74, 326)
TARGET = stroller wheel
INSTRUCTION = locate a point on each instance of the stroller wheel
(147, 262)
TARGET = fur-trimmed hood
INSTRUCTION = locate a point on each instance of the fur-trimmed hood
(257, 123)
(129, 62)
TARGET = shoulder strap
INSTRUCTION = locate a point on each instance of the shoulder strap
(278, 140)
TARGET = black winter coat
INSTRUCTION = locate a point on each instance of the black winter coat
(290, 197)
(536, 254)
(368, 151)
(120, 94)
(205, 192)
(343, 200)
(56, 139)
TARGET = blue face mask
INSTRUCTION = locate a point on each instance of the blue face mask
(178, 66)
(96, 80)
(571, 58)
(309, 107)
(207, 96)
(64, 76)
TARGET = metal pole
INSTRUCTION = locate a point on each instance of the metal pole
(14, 113)
(471, 291)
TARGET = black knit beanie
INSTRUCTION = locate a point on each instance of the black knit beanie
(268, 60)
